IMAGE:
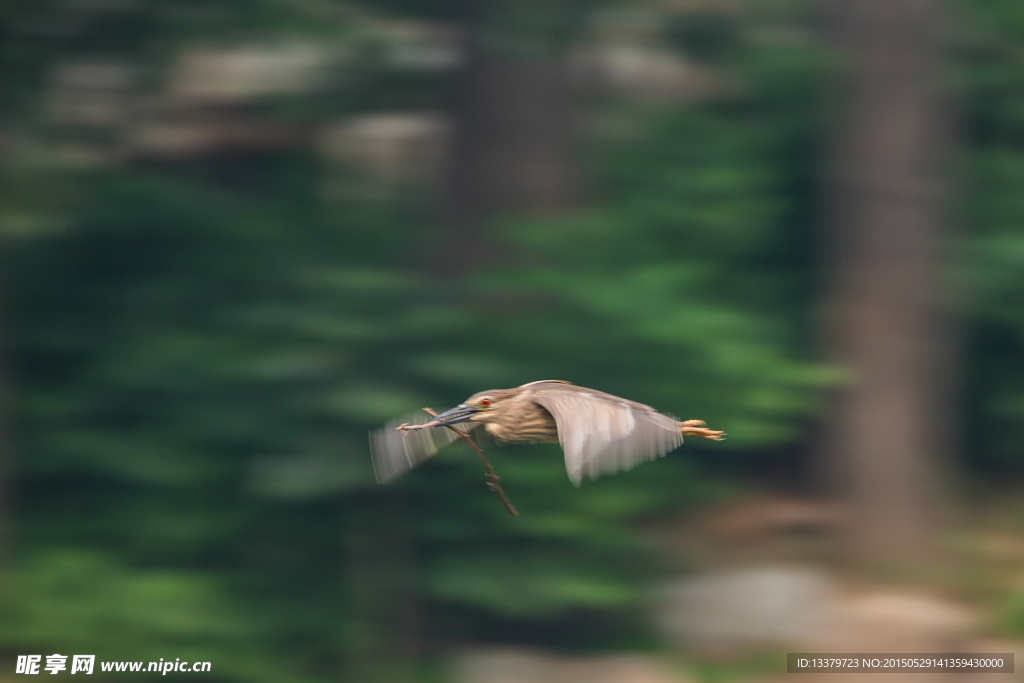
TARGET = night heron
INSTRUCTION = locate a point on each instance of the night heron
(599, 433)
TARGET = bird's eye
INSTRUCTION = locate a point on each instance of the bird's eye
(485, 403)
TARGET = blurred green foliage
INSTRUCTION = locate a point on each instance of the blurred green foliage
(991, 89)
(197, 349)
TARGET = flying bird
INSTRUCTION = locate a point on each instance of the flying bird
(599, 433)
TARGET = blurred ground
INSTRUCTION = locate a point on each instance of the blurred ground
(766, 580)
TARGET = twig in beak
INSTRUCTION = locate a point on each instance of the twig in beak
(493, 483)
(406, 427)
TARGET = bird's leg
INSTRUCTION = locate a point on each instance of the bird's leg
(698, 429)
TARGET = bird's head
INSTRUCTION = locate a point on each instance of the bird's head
(485, 406)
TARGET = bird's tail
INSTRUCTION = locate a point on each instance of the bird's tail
(698, 429)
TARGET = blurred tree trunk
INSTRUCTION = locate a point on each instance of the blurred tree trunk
(883, 316)
(512, 152)
(513, 143)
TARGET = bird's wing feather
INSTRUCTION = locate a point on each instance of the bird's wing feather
(394, 452)
(604, 434)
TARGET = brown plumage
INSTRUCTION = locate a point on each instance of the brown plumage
(599, 433)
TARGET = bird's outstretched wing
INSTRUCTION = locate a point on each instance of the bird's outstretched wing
(395, 452)
(604, 434)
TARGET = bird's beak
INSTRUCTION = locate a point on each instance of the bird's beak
(459, 413)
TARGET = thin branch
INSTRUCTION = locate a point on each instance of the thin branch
(493, 483)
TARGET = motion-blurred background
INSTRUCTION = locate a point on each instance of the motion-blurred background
(239, 234)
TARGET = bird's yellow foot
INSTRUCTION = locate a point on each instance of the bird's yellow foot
(698, 429)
